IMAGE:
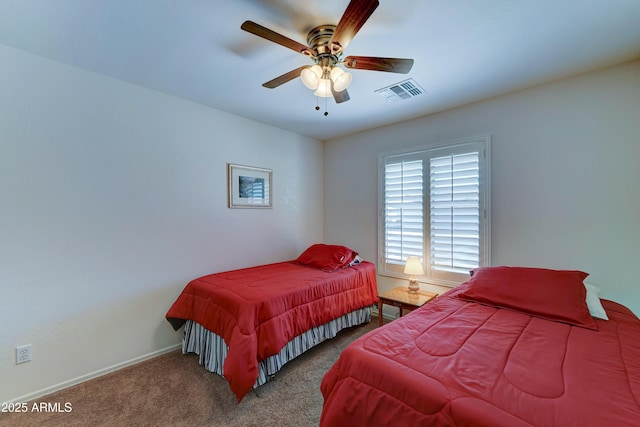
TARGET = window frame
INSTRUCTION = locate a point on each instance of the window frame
(481, 144)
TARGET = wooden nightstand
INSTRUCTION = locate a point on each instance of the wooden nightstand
(401, 298)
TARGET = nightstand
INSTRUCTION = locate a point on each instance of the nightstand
(401, 298)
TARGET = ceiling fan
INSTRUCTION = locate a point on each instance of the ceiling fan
(325, 46)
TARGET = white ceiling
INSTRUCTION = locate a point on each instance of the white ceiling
(464, 50)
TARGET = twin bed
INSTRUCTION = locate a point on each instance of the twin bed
(511, 347)
(245, 324)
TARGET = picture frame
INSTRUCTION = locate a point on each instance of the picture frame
(249, 187)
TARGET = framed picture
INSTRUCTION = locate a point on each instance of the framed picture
(249, 187)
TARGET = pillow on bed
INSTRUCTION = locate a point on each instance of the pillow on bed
(593, 302)
(326, 257)
(557, 295)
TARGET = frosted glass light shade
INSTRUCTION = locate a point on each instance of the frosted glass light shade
(413, 266)
(324, 89)
(311, 76)
(340, 78)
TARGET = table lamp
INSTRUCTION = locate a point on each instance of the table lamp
(413, 267)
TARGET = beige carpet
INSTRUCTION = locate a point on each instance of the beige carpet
(174, 390)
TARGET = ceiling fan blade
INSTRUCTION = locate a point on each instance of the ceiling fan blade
(339, 97)
(278, 38)
(391, 65)
(352, 20)
(272, 84)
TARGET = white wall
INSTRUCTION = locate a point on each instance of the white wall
(113, 197)
(565, 177)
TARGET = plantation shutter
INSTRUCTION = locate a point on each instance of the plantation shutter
(435, 204)
(403, 210)
(455, 212)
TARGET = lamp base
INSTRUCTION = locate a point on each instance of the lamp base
(413, 286)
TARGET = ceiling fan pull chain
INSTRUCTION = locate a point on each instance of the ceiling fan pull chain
(326, 113)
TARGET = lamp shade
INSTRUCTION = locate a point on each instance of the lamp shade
(311, 76)
(324, 89)
(340, 78)
(414, 266)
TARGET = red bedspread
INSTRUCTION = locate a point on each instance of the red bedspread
(258, 310)
(457, 363)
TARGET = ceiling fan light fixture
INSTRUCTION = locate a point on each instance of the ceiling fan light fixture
(341, 79)
(324, 89)
(311, 76)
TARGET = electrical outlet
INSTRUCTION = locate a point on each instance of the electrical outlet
(23, 354)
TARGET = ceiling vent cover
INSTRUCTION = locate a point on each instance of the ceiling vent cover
(401, 91)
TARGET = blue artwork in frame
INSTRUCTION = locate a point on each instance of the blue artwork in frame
(249, 187)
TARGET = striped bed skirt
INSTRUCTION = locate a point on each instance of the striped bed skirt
(213, 350)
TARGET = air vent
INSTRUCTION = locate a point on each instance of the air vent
(401, 91)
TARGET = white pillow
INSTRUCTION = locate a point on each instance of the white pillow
(357, 260)
(593, 302)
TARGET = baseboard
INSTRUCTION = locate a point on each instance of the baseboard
(92, 375)
(385, 316)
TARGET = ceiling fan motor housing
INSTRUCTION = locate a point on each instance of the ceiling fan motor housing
(318, 40)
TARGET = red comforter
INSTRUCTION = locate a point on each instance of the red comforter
(258, 310)
(457, 363)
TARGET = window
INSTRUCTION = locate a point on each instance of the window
(434, 204)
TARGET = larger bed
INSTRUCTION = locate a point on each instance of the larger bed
(511, 347)
(245, 324)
